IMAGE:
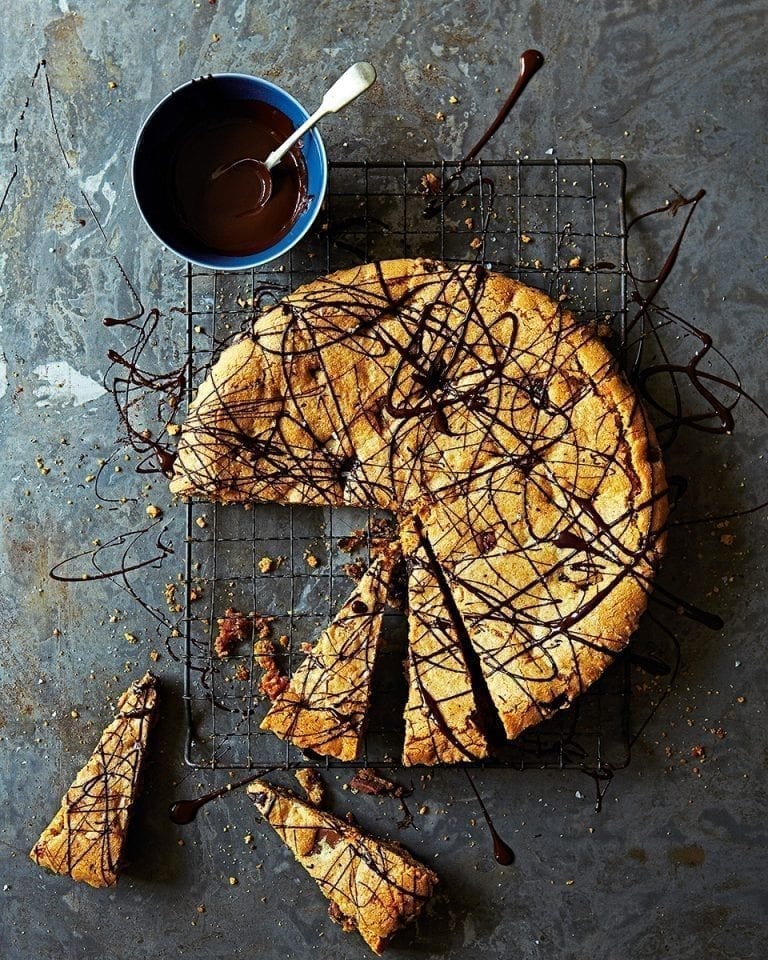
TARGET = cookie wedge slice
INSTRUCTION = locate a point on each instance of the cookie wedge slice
(325, 706)
(375, 887)
(86, 837)
(442, 720)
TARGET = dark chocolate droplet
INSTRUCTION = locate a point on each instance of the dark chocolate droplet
(503, 853)
(185, 811)
(570, 541)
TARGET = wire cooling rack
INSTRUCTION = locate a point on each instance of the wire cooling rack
(556, 224)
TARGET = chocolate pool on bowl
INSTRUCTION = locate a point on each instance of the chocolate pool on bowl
(198, 185)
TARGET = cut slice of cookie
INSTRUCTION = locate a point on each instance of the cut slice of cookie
(86, 837)
(442, 722)
(325, 705)
(375, 887)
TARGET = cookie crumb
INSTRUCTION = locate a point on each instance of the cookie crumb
(312, 785)
(372, 783)
(234, 627)
(430, 183)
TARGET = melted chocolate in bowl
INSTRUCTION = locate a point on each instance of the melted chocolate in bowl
(218, 191)
(199, 179)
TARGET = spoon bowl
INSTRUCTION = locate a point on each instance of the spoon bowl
(255, 177)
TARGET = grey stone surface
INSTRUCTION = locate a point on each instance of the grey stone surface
(675, 862)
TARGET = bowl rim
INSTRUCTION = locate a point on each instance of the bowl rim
(305, 219)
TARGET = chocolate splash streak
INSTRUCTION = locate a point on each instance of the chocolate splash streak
(114, 560)
(183, 812)
(667, 385)
(648, 301)
(531, 62)
(52, 112)
(14, 174)
(15, 141)
(128, 541)
(132, 385)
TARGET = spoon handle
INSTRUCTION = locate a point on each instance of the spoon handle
(350, 85)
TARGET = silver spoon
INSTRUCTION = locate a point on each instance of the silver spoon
(347, 88)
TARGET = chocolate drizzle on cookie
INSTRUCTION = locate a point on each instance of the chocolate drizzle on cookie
(374, 886)
(324, 708)
(85, 839)
(535, 489)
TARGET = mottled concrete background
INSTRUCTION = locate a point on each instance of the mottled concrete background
(675, 863)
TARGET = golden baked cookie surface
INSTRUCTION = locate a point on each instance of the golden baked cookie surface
(483, 410)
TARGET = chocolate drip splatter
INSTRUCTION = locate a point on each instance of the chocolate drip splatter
(441, 193)
(503, 853)
(183, 812)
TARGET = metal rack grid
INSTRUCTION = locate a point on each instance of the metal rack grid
(556, 224)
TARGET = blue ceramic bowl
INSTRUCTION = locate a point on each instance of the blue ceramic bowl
(157, 151)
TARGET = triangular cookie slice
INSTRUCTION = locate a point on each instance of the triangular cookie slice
(374, 887)
(325, 705)
(442, 723)
(85, 839)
